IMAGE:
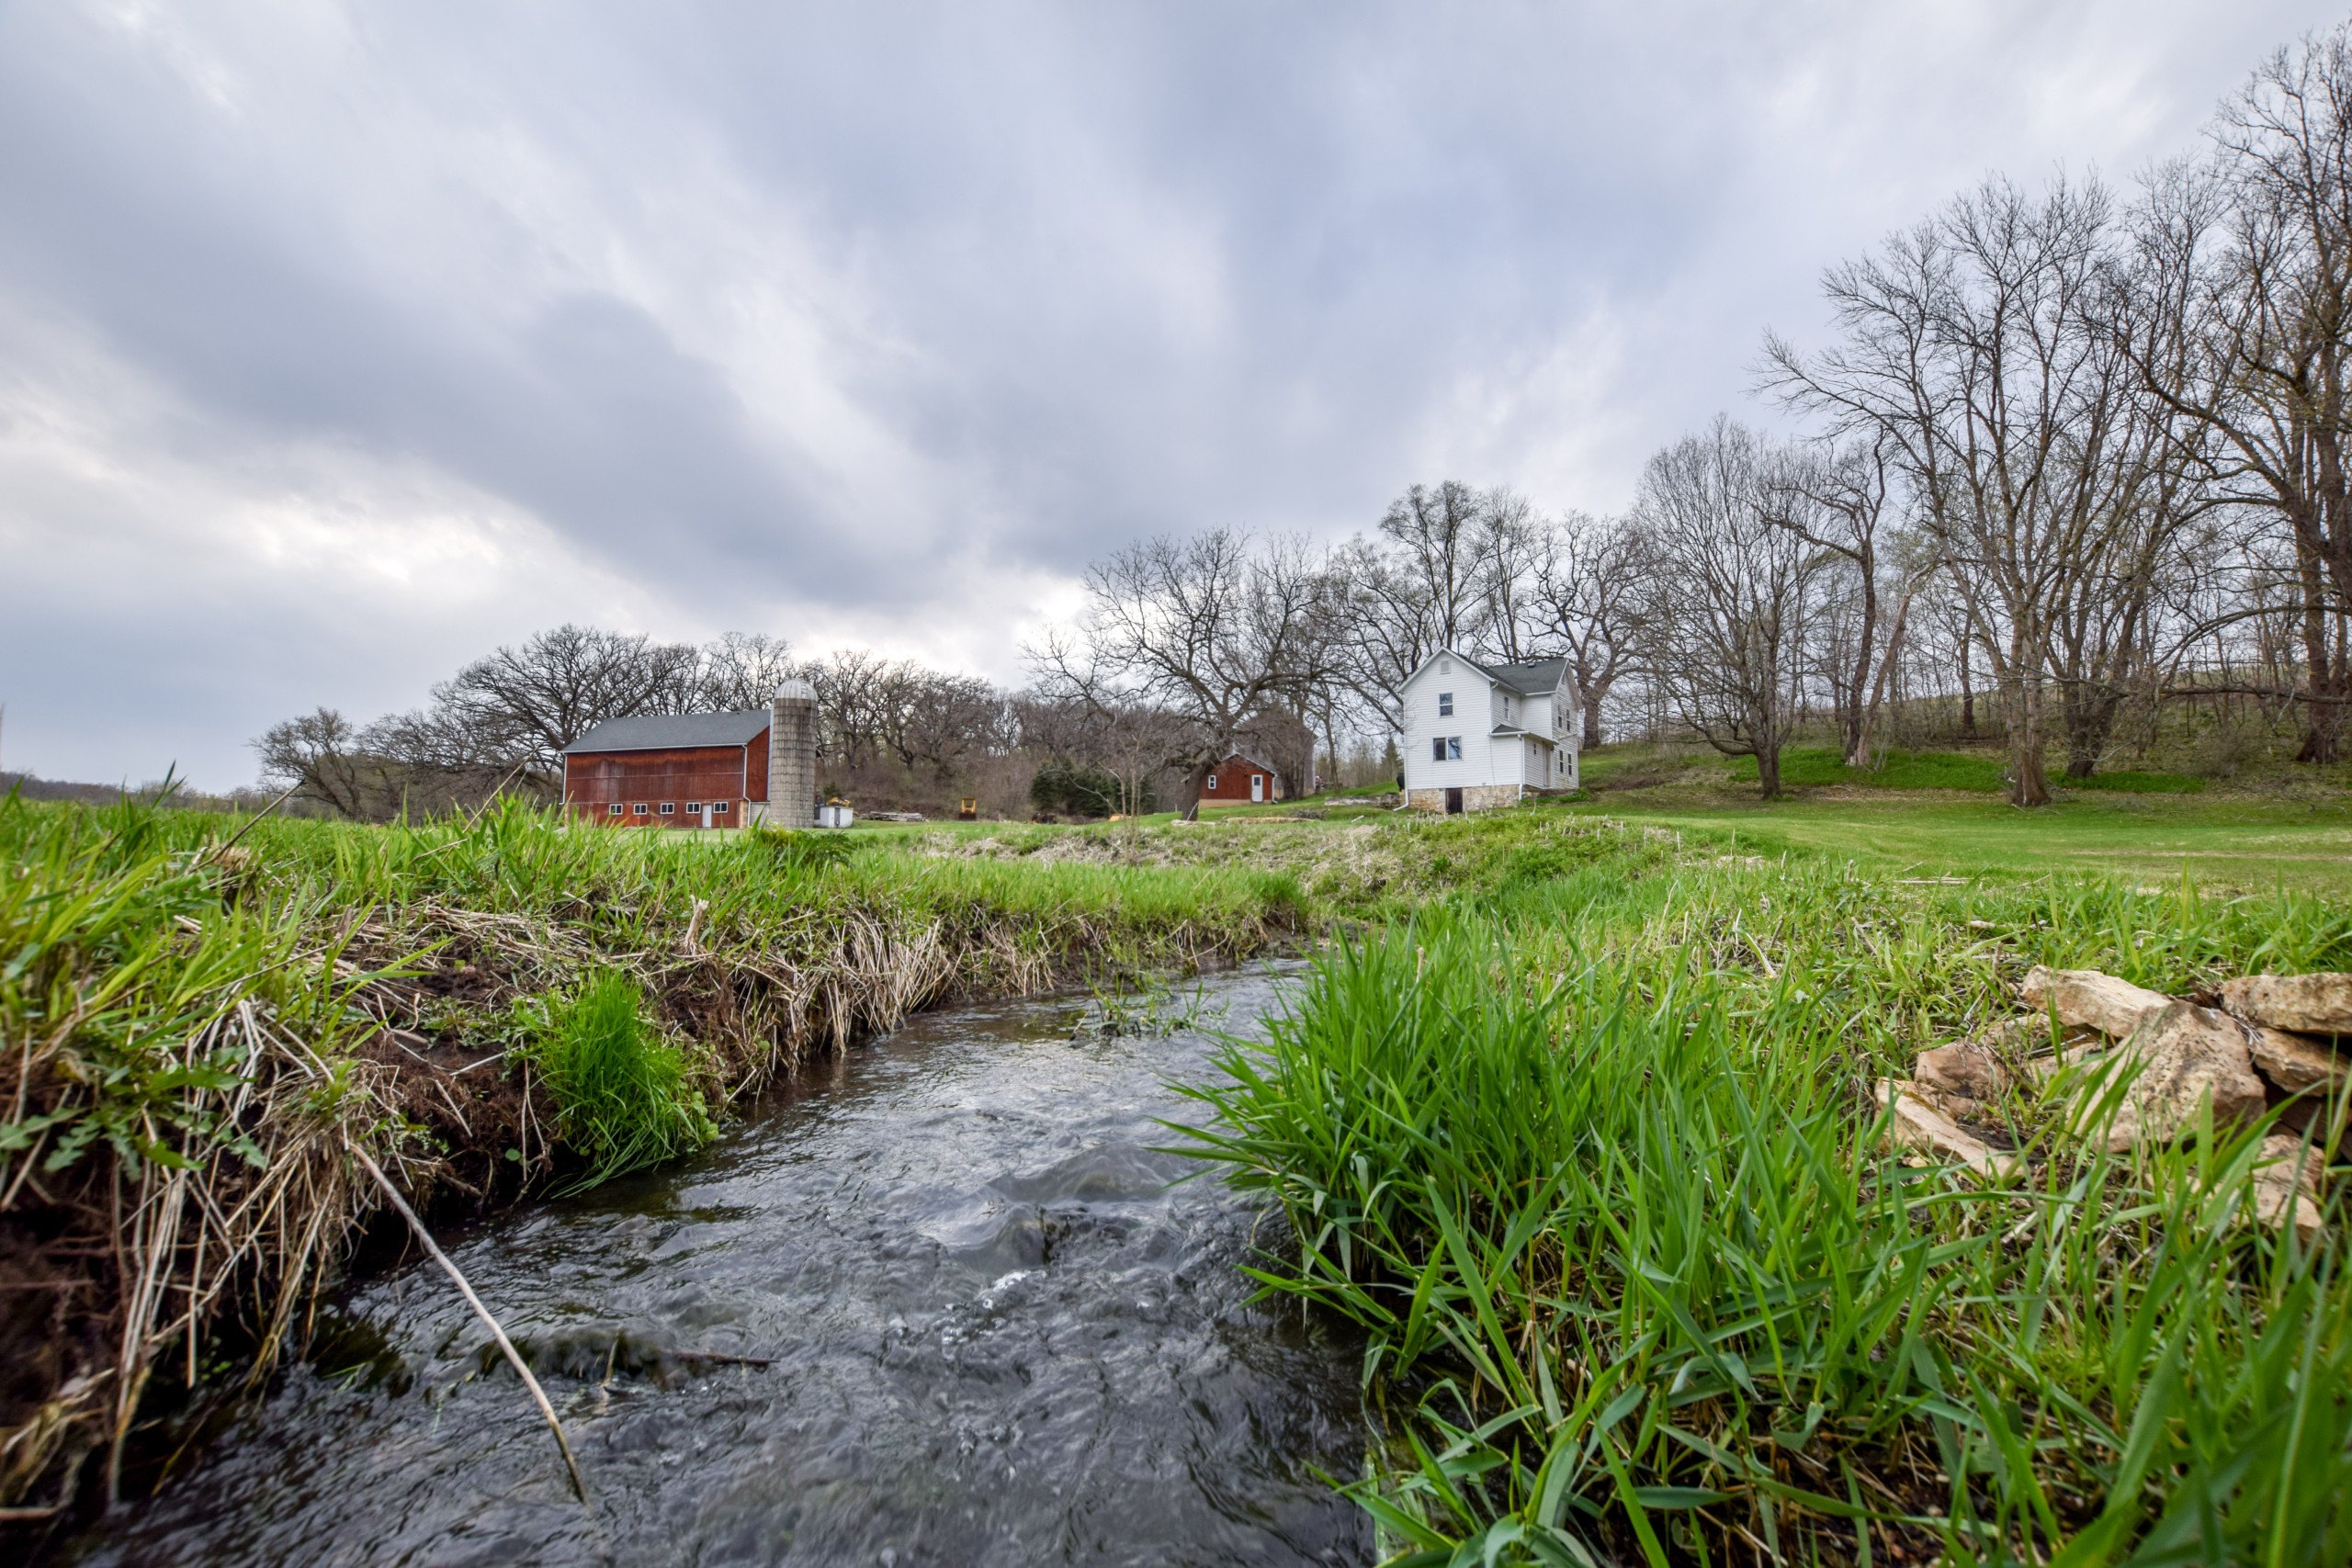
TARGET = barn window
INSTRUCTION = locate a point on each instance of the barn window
(694, 808)
(1454, 748)
(669, 808)
(1212, 781)
(1437, 748)
(615, 808)
(719, 806)
(639, 808)
(1445, 704)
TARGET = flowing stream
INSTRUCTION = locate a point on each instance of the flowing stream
(996, 1334)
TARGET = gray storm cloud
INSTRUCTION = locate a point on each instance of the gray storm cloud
(336, 346)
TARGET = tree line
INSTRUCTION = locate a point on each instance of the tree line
(2066, 458)
(2080, 453)
(503, 721)
(892, 732)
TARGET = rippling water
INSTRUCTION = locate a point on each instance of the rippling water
(998, 1336)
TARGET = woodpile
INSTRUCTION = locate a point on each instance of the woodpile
(2129, 1067)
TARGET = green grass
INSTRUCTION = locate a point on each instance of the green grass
(1588, 1153)
(2238, 843)
(626, 1098)
(1812, 766)
(127, 933)
(1982, 772)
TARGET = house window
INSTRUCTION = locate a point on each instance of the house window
(1437, 748)
(1445, 704)
(669, 808)
(718, 808)
(694, 808)
(637, 809)
(1454, 748)
(615, 808)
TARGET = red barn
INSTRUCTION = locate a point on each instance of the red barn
(1239, 780)
(676, 769)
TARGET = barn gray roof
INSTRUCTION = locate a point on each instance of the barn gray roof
(657, 731)
(1530, 680)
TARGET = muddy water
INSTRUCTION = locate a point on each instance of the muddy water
(997, 1334)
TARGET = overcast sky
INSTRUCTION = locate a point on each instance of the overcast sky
(340, 344)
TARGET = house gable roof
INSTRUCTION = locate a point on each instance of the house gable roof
(662, 731)
(1538, 678)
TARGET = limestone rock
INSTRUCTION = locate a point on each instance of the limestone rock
(2296, 1062)
(2320, 1117)
(2044, 1068)
(1966, 1070)
(2021, 1036)
(2285, 1185)
(2188, 1057)
(2087, 998)
(1916, 1125)
(2309, 1004)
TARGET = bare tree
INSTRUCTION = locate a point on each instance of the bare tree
(1448, 566)
(1836, 501)
(1388, 630)
(1591, 585)
(2245, 325)
(1214, 629)
(1435, 534)
(534, 699)
(1972, 348)
(1508, 542)
(741, 669)
(850, 705)
(317, 755)
(936, 722)
(1725, 625)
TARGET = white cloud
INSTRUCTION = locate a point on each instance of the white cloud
(339, 345)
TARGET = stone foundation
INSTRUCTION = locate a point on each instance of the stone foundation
(1474, 798)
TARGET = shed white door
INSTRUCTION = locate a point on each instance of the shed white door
(1257, 786)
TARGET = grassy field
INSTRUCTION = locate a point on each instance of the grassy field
(2243, 844)
(1572, 1117)
(1942, 814)
(1587, 1147)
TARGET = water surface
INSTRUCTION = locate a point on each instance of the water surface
(999, 1334)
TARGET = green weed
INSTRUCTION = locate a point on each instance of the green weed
(625, 1097)
(1148, 1006)
(1607, 1195)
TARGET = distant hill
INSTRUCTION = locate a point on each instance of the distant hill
(32, 786)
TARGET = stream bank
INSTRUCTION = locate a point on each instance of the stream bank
(995, 1334)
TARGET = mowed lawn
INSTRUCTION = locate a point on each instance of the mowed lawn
(2240, 844)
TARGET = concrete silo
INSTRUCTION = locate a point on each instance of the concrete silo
(792, 755)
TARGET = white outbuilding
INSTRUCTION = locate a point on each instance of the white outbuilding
(1480, 735)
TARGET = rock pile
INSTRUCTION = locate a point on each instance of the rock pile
(2152, 1068)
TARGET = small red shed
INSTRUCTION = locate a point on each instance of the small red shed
(1239, 780)
(674, 770)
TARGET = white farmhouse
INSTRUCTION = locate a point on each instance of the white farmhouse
(1479, 735)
